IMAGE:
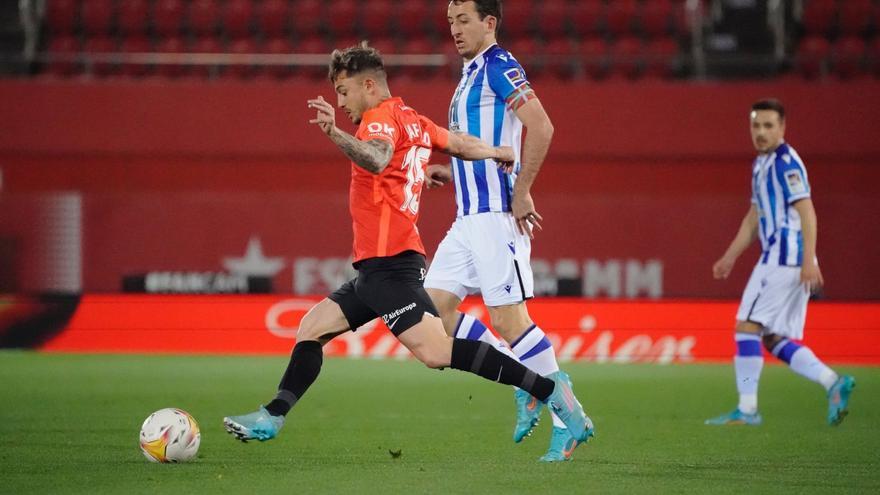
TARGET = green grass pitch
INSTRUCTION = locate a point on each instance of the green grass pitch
(69, 424)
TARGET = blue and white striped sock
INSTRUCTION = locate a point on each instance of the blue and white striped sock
(534, 350)
(804, 362)
(747, 363)
(471, 328)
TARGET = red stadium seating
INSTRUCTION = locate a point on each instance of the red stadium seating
(656, 15)
(315, 45)
(553, 18)
(61, 16)
(376, 18)
(342, 17)
(847, 57)
(171, 44)
(811, 58)
(168, 17)
(99, 45)
(626, 57)
(63, 45)
(132, 17)
(96, 16)
(203, 16)
(236, 17)
(207, 45)
(517, 19)
(412, 17)
(661, 56)
(307, 18)
(278, 46)
(855, 16)
(560, 59)
(621, 16)
(819, 16)
(241, 46)
(594, 57)
(529, 54)
(136, 44)
(418, 46)
(585, 16)
(272, 16)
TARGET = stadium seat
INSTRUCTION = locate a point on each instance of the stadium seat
(529, 54)
(272, 16)
(242, 46)
(661, 58)
(655, 17)
(818, 17)
(553, 18)
(203, 16)
(172, 44)
(236, 17)
(376, 18)
(63, 45)
(307, 18)
(811, 58)
(621, 16)
(854, 17)
(626, 57)
(61, 16)
(418, 46)
(585, 16)
(874, 57)
(207, 45)
(314, 45)
(136, 44)
(168, 17)
(560, 59)
(410, 18)
(96, 17)
(342, 18)
(278, 46)
(593, 54)
(517, 19)
(848, 56)
(132, 17)
(99, 45)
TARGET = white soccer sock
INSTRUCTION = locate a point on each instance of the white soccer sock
(805, 363)
(747, 363)
(535, 351)
(471, 328)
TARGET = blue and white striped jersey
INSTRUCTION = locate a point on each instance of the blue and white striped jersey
(479, 107)
(778, 180)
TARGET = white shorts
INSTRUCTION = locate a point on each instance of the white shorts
(484, 253)
(776, 299)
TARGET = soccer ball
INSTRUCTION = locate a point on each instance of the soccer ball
(170, 435)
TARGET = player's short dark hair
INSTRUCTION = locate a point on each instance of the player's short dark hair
(770, 104)
(355, 60)
(484, 8)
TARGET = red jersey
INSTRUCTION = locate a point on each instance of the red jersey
(385, 207)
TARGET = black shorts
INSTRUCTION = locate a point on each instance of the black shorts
(390, 287)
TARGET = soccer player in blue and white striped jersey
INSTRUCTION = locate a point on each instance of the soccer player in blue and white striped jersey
(488, 247)
(774, 304)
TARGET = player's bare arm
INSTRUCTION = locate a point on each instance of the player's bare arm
(438, 175)
(748, 231)
(467, 147)
(373, 155)
(811, 276)
(539, 133)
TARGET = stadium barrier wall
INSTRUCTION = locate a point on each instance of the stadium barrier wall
(599, 331)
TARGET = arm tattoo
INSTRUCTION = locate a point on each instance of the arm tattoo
(372, 156)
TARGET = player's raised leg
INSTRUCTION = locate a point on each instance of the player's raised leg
(803, 361)
(323, 322)
(747, 363)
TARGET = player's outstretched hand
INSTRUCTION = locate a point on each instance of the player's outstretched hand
(811, 277)
(437, 175)
(326, 117)
(722, 268)
(505, 158)
(527, 219)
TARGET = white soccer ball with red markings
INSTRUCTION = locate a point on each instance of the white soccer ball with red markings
(170, 435)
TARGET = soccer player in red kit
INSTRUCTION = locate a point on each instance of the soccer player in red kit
(389, 153)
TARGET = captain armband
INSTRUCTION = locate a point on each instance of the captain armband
(520, 96)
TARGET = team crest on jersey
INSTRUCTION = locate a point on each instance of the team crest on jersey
(795, 183)
(515, 76)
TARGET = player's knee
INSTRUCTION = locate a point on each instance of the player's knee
(770, 340)
(308, 328)
(748, 327)
(432, 356)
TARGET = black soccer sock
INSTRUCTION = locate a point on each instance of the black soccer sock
(304, 367)
(482, 359)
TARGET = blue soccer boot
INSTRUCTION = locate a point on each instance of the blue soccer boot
(838, 399)
(736, 417)
(528, 412)
(259, 425)
(567, 408)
